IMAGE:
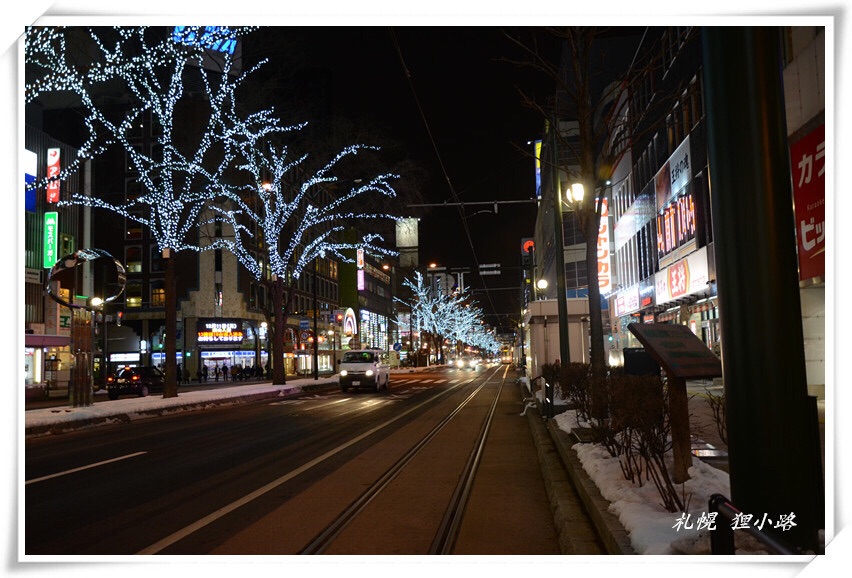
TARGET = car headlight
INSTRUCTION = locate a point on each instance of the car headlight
(369, 373)
(460, 363)
(343, 373)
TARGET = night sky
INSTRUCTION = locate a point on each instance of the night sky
(467, 136)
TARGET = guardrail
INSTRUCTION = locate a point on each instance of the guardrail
(722, 537)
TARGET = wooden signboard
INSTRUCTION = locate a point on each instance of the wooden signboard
(678, 350)
(683, 356)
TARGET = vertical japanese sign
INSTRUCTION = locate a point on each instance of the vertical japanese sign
(360, 264)
(30, 162)
(807, 158)
(604, 274)
(538, 169)
(51, 239)
(53, 169)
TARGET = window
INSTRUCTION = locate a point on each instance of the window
(132, 189)
(158, 293)
(133, 294)
(133, 229)
(156, 260)
(576, 275)
(129, 165)
(66, 245)
(695, 104)
(573, 235)
(133, 259)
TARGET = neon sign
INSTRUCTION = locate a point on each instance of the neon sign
(53, 173)
(217, 38)
(219, 331)
(51, 239)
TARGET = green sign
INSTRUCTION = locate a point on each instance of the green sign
(51, 239)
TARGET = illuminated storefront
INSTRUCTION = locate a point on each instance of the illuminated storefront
(374, 330)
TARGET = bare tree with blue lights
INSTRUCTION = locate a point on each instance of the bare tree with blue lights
(284, 211)
(145, 70)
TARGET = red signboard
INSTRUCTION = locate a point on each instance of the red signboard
(807, 158)
(53, 171)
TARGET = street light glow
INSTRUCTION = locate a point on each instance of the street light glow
(577, 192)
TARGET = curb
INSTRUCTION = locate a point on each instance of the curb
(557, 458)
(126, 417)
(612, 533)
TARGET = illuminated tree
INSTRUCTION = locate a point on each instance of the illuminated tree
(282, 211)
(445, 315)
(145, 71)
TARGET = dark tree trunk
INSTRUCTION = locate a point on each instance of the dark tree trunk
(596, 339)
(170, 387)
(279, 373)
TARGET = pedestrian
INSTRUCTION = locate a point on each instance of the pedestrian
(179, 374)
(198, 376)
(186, 374)
(224, 372)
(235, 372)
(216, 371)
(204, 373)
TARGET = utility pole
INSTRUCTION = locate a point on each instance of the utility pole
(774, 465)
(558, 236)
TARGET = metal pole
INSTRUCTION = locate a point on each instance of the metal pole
(770, 456)
(105, 370)
(558, 236)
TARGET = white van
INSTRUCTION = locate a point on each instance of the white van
(364, 368)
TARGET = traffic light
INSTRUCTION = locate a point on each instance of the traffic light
(118, 317)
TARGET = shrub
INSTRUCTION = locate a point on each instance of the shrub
(718, 407)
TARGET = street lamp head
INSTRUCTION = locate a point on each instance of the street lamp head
(96, 301)
(577, 192)
(541, 283)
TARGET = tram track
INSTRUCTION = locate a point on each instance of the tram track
(448, 529)
(172, 541)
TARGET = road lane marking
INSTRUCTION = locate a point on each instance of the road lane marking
(81, 468)
(228, 508)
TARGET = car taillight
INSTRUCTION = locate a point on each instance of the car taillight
(110, 379)
(135, 378)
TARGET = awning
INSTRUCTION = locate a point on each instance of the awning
(32, 340)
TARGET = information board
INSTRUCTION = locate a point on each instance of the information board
(678, 350)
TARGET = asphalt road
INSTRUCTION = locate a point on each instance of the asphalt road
(268, 477)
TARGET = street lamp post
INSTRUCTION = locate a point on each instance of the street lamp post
(540, 285)
(559, 236)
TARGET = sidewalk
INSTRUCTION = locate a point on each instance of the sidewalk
(616, 504)
(55, 415)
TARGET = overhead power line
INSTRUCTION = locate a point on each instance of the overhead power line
(408, 77)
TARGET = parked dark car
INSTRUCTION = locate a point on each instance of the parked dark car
(135, 380)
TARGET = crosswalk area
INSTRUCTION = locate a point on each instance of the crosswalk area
(400, 389)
